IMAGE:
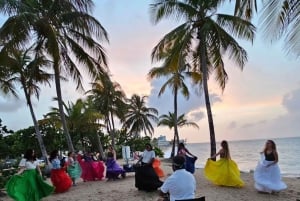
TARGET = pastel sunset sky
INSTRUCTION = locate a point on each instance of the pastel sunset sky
(262, 101)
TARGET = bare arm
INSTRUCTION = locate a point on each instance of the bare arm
(187, 151)
(215, 155)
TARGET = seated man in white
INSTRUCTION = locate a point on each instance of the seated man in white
(181, 184)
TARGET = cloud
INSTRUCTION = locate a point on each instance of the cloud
(165, 102)
(291, 102)
(196, 116)
(11, 104)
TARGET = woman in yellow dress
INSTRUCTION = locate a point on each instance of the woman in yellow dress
(225, 171)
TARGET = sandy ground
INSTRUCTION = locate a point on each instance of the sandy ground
(124, 189)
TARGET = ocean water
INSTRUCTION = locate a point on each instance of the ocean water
(246, 154)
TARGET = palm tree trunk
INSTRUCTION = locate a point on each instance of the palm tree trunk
(36, 126)
(173, 147)
(61, 109)
(176, 116)
(203, 67)
(176, 136)
(113, 131)
(100, 147)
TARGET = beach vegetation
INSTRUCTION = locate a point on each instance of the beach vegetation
(65, 31)
(28, 73)
(207, 36)
(176, 69)
(168, 120)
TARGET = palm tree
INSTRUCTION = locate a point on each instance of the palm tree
(175, 69)
(63, 30)
(109, 100)
(82, 120)
(169, 120)
(279, 19)
(138, 116)
(28, 73)
(206, 36)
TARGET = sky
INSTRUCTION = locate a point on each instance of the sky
(260, 102)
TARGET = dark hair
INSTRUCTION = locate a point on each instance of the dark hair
(181, 144)
(53, 155)
(148, 144)
(225, 147)
(110, 155)
(273, 145)
(178, 162)
(30, 155)
(70, 153)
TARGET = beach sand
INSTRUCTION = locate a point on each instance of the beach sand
(124, 189)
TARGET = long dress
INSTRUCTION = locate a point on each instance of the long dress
(268, 179)
(223, 172)
(59, 178)
(145, 177)
(113, 169)
(156, 166)
(91, 170)
(73, 168)
(29, 185)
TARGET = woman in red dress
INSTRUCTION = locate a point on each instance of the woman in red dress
(60, 179)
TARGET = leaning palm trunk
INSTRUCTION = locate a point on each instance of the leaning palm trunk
(61, 109)
(36, 127)
(204, 71)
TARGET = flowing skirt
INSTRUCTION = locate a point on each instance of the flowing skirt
(157, 169)
(268, 179)
(146, 178)
(223, 172)
(61, 180)
(93, 170)
(190, 164)
(74, 170)
(29, 186)
(113, 169)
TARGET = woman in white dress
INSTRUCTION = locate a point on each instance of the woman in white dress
(267, 173)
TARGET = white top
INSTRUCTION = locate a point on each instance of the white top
(180, 185)
(147, 156)
(28, 164)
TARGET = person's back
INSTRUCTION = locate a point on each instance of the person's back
(181, 184)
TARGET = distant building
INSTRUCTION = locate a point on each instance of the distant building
(162, 141)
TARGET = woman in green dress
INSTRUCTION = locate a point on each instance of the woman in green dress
(28, 184)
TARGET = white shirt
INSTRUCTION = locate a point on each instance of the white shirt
(147, 156)
(180, 185)
(28, 164)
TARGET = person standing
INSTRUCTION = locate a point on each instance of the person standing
(174, 187)
(60, 179)
(225, 171)
(73, 167)
(145, 176)
(28, 183)
(190, 159)
(267, 173)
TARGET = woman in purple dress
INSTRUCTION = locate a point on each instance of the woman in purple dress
(113, 169)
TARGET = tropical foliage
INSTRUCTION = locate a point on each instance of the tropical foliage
(205, 36)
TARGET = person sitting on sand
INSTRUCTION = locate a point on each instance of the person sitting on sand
(174, 187)
(223, 172)
(267, 173)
